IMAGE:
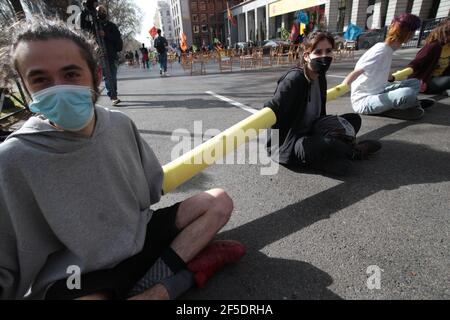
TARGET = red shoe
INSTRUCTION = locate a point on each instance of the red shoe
(211, 259)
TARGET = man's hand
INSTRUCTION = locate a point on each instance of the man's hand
(391, 78)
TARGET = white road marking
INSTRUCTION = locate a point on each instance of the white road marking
(232, 102)
(335, 76)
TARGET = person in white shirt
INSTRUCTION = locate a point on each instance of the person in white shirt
(370, 91)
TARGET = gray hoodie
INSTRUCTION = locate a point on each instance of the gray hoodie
(67, 200)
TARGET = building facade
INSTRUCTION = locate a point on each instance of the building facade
(164, 21)
(200, 20)
(259, 20)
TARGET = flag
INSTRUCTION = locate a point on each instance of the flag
(183, 42)
(153, 32)
(294, 32)
(230, 16)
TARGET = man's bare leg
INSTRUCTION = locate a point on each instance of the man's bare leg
(199, 218)
(157, 292)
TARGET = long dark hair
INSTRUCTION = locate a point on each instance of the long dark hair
(310, 43)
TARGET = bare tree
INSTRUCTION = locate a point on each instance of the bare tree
(126, 15)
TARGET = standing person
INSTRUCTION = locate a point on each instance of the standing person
(161, 47)
(370, 93)
(307, 136)
(178, 50)
(87, 180)
(432, 63)
(136, 57)
(145, 57)
(114, 44)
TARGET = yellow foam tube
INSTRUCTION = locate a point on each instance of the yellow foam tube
(193, 162)
(402, 74)
(337, 91)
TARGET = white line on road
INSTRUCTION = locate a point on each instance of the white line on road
(232, 102)
(335, 76)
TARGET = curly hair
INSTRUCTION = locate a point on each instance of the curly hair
(440, 33)
(42, 29)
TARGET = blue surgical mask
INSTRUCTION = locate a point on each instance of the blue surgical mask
(69, 107)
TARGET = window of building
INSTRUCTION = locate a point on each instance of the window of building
(202, 6)
(194, 5)
(195, 18)
(196, 28)
(204, 28)
(203, 18)
(212, 18)
(168, 13)
(341, 15)
(170, 28)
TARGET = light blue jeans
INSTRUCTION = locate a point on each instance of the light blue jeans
(400, 95)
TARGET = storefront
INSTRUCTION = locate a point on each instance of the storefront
(284, 13)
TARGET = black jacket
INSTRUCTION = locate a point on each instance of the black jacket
(113, 39)
(289, 104)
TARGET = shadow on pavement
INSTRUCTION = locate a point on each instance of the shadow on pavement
(260, 276)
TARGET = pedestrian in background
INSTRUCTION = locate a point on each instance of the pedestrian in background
(145, 59)
(136, 57)
(161, 47)
(113, 44)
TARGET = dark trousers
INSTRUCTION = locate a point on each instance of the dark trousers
(437, 85)
(109, 86)
(162, 58)
(328, 154)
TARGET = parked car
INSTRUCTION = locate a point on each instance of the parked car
(367, 39)
(274, 43)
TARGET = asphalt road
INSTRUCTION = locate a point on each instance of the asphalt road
(311, 236)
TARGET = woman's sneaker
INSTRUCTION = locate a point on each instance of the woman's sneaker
(404, 114)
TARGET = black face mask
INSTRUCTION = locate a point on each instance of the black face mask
(102, 16)
(321, 65)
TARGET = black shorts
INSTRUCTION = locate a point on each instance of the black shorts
(118, 281)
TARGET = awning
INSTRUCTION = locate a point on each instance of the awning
(286, 6)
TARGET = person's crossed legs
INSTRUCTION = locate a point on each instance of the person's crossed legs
(198, 220)
(401, 95)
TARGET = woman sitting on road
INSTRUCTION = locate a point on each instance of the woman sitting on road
(307, 136)
(432, 63)
(371, 93)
